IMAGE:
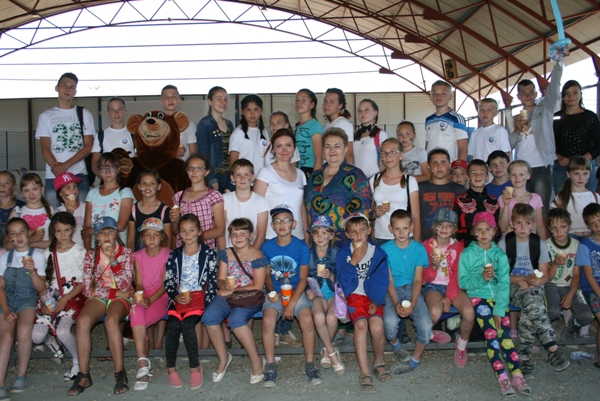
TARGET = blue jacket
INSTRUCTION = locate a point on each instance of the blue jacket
(378, 277)
(209, 139)
(207, 263)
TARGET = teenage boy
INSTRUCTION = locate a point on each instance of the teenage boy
(490, 136)
(63, 141)
(587, 258)
(362, 271)
(437, 193)
(446, 128)
(115, 136)
(458, 173)
(170, 101)
(528, 258)
(475, 200)
(288, 256)
(497, 163)
(533, 133)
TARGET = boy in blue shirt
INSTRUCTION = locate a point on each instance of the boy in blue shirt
(407, 259)
(287, 253)
(362, 272)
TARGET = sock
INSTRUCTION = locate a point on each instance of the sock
(413, 363)
(308, 365)
(461, 344)
(514, 333)
(397, 346)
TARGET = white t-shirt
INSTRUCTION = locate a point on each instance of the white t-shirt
(411, 162)
(343, 123)
(575, 208)
(38, 260)
(252, 149)
(186, 137)
(398, 200)
(564, 273)
(485, 140)
(365, 154)
(79, 215)
(280, 191)
(70, 264)
(62, 127)
(526, 149)
(234, 209)
(115, 138)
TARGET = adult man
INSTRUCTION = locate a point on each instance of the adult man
(63, 141)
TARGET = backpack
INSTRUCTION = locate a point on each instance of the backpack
(377, 178)
(376, 140)
(91, 177)
(511, 249)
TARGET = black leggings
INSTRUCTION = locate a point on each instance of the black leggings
(186, 327)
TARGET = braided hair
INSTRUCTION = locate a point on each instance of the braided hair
(261, 124)
(63, 218)
(95, 261)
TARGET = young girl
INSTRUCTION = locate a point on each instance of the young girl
(367, 138)
(191, 282)
(36, 212)
(210, 133)
(484, 274)
(250, 140)
(151, 300)
(308, 132)
(519, 172)
(574, 195)
(392, 190)
(245, 203)
(322, 275)
(107, 279)
(149, 184)
(247, 265)
(21, 278)
(414, 159)
(64, 275)
(440, 289)
(67, 192)
(337, 115)
(110, 200)
(8, 200)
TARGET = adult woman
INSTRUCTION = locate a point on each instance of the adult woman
(339, 188)
(337, 115)
(308, 132)
(282, 183)
(210, 133)
(576, 133)
(393, 189)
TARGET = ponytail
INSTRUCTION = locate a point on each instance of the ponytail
(50, 263)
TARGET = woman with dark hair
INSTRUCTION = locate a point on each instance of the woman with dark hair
(211, 131)
(337, 115)
(368, 139)
(308, 132)
(576, 133)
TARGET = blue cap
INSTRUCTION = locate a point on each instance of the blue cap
(323, 221)
(281, 209)
(104, 222)
(446, 216)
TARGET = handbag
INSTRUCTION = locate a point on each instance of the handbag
(244, 298)
(340, 307)
(195, 305)
(75, 303)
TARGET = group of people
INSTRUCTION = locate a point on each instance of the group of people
(332, 226)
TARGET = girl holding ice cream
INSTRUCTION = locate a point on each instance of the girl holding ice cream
(66, 186)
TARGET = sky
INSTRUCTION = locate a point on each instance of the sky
(139, 60)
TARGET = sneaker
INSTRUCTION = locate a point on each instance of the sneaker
(521, 385)
(277, 342)
(196, 379)
(460, 357)
(4, 394)
(290, 339)
(440, 337)
(527, 369)
(558, 362)
(402, 355)
(401, 367)
(19, 385)
(506, 388)
(314, 377)
(175, 380)
(270, 378)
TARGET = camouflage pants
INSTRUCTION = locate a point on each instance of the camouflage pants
(534, 320)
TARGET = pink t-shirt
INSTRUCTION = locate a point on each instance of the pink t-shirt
(535, 202)
(152, 269)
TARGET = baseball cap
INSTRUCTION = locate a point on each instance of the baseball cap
(65, 178)
(283, 208)
(104, 222)
(323, 221)
(445, 216)
(485, 217)
(459, 163)
(151, 223)
(352, 216)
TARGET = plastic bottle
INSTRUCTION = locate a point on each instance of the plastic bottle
(286, 290)
(581, 356)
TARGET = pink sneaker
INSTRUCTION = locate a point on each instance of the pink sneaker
(440, 337)
(521, 385)
(506, 388)
(196, 379)
(175, 380)
(460, 357)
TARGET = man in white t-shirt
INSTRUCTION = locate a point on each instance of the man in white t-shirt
(63, 142)
(170, 100)
(115, 136)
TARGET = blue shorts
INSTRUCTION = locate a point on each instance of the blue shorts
(303, 303)
(219, 310)
(20, 293)
(593, 301)
(434, 287)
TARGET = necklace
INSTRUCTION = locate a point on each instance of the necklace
(282, 172)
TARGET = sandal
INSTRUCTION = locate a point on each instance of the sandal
(77, 388)
(366, 387)
(325, 361)
(382, 376)
(121, 386)
(338, 369)
(144, 370)
(141, 386)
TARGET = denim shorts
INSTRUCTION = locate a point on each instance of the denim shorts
(20, 293)
(219, 310)
(303, 303)
(593, 301)
(434, 287)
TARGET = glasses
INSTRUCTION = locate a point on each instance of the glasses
(103, 170)
(392, 153)
(191, 169)
(284, 221)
